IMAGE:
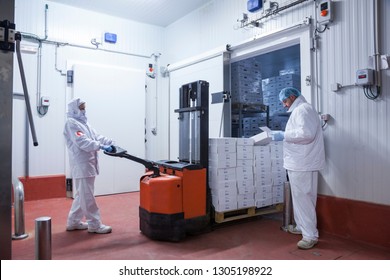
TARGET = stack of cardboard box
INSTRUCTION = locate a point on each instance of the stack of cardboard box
(243, 175)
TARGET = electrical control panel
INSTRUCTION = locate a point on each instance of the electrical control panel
(45, 101)
(365, 77)
(110, 38)
(325, 12)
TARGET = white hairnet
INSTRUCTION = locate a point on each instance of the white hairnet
(287, 92)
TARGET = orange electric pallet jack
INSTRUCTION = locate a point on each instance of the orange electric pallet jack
(174, 195)
(172, 198)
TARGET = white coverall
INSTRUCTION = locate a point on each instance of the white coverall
(83, 144)
(304, 156)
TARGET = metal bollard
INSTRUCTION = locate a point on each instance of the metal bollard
(19, 211)
(43, 238)
(287, 210)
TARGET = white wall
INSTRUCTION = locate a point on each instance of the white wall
(356, 139)
(76, 27)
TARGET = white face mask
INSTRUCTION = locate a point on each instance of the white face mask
(82, 115)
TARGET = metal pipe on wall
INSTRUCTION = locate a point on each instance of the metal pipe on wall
(39, 74)
(316, 66)
(377, 56)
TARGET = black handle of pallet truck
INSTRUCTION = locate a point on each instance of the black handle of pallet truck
(149, 165)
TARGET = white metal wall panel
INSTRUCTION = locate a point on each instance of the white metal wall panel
(74, 26)
(356, 139)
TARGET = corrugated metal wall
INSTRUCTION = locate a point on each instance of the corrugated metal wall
(357, 136)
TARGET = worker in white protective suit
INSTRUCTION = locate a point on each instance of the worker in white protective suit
(83, 144)
(304, 156)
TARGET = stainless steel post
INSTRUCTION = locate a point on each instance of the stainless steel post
(287, 210)
(19, 211)
(43, 238)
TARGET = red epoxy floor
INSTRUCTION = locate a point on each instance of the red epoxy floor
(250, 239)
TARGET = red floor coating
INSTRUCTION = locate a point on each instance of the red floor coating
(257, 238)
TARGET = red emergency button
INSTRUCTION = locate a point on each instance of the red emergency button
(324, 13)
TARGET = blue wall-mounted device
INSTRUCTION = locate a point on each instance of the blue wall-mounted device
(254, 5)
(110, 38)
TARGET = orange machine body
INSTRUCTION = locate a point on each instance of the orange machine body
(173, 203)
(194, 189)
(162, 194)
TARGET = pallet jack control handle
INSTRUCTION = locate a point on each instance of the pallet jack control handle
(149, 165)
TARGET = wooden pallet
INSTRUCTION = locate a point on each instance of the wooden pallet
(227, 216)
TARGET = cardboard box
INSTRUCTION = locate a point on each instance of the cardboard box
(245, 187)
(263, 203)
(224, 194)
(277, 200)
(245, 162)
(263, 138)
(264, 189)
(220, 207)
(245, 142)
(223, 163)
(246, 203)
(222, 174)
(220, 185)
(263, 195)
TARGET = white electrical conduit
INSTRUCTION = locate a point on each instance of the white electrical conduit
(378, 80)
(316, 70)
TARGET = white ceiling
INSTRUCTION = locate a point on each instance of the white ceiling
(155, 12)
